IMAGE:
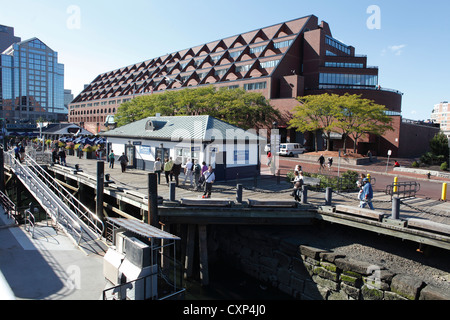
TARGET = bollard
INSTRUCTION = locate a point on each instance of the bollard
(172, 188)
(444, 192)
(395, 190)
(255, 180)
(304, 197)
(369, 177)
(395, 208)
(278, 177)
(239, 193)
(328, 197)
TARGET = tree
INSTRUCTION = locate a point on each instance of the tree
(358, 117)
(315, 113)
(439, 145)
(347, 114)
(235, 106)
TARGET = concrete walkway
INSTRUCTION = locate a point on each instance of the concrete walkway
(48, 266)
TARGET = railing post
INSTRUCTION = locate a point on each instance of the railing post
(172, 189)
(395, 208)
(239, 193)
(328, 196)
(100, 185)
(304, 197)
(153, 218)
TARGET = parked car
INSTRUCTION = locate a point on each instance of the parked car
(291, 149)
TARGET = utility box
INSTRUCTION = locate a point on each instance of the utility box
(111, 264)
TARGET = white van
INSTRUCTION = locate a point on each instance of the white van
(291, 149)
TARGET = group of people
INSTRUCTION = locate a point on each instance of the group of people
(59, 156)
(321, 161)
(365, 194)
(199, 176)
(123, 160)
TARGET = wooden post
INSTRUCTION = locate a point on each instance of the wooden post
(190, 246)
(239, 193)
(203, 246)
(153, 218)
(100, 182)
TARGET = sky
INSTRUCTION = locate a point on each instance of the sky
(408, 40)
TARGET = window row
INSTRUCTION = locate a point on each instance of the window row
(348, 79)
(344, 65)
(337, 44)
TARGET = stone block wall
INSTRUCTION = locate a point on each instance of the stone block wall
(309, 273)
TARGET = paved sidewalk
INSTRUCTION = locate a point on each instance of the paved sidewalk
(48, 266)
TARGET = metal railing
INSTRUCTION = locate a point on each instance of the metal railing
(403, 189)
(30, 222)
(90, 219)
(60, 205)
(9, 206)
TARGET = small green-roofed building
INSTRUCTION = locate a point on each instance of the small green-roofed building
(229, 149)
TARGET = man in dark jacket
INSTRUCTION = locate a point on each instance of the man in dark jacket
(176, 169)
(123, 161)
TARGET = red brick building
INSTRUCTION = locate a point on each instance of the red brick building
(283, 61)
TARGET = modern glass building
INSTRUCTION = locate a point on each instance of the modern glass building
(31, 83)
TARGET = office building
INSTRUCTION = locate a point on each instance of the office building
(32, 83)
(283, 61)
(441, 116)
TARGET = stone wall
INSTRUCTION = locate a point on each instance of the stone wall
(310, 273)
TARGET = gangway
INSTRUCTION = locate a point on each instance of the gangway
(66, 211)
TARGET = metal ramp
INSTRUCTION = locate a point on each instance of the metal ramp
(81, 225)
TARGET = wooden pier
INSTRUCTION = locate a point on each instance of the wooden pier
(269, 203)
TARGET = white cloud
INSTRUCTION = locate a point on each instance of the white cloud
(397, 50)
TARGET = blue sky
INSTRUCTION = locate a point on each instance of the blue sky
(410, 44)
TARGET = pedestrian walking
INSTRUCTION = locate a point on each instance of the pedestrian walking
(321, 162)
(123, 162)
(197, 173)
(168, 169)
(210, 177)
(330, 163)
(157, 169)
(367, 195)
(176, 170)
(112, 158)
(62, 157)
(188, 172)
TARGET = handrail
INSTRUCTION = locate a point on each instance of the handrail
(9, 206)
(54, 207)
(31, 221)
(75, 205)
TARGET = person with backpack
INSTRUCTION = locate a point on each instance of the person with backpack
(112, 158)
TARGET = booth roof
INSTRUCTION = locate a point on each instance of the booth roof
(203, 128)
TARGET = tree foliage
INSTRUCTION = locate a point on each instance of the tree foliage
(439, 145)
(348, 114)
(235, 106)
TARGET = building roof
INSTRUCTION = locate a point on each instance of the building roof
(64, 129)
(246, 56)
(198, 128)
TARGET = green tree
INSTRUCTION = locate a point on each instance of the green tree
(347, 114)
(439, 145)
(316, 113)
(358, 116)
(235, 106)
